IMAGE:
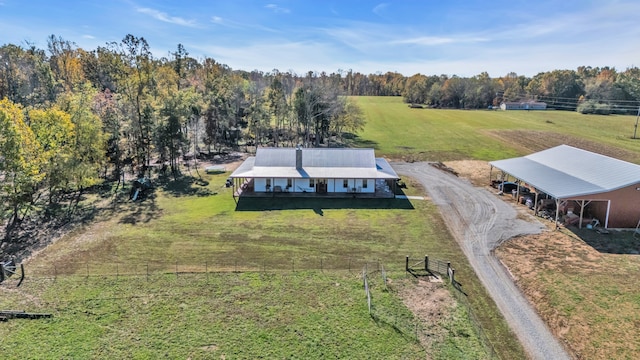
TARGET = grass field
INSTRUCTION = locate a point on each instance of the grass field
(245, 315)
(397, 131)
(286, 306)
(297, 292)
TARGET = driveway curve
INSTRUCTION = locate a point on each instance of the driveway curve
(480, 221)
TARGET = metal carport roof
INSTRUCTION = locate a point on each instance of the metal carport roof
(568, 172)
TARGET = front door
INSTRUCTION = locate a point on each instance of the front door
(321, 186)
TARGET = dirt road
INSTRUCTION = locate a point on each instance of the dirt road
(480, 220)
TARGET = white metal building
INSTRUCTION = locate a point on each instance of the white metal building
(523, 105)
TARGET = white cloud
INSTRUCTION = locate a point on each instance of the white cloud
(158, 15)
(378, 9)
(87, 36)
(277, 9)
(437, 40)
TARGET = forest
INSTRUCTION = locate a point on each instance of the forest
(72, 118)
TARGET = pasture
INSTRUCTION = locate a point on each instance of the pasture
(184, 274)
(399, 132)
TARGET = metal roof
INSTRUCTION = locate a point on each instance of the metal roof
(567, 172)
(316, 163)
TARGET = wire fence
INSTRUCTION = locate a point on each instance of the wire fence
(150, 268)
(373, 272)
(435, 267)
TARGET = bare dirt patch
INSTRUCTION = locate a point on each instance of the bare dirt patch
(476, 171)
(430, 302)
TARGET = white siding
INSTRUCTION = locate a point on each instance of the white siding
(303, 185)
(259, 184)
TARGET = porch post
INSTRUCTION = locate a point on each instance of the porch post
(581, 213)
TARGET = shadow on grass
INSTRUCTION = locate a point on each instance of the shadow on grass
(143, 210)
(613, 242)
(184, 185)
(354, 140)
(318, 205)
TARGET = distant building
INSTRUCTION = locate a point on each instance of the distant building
(523, 105)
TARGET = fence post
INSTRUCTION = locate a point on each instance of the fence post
(426, 263)
(176, 269)
(55, 272)
(453, 276)
(147, 271)
(320, 264)
(406, 264)
(1, 272)
(206, 270)
(117, 274)
(87, 270)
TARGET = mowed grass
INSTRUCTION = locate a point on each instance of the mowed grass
(397, 131)
(301, 315)
(300, 297)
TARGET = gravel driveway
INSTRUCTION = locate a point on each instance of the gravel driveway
(480, 221)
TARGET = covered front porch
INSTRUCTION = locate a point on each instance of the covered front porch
(245, 187)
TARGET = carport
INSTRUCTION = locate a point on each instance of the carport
(566, 173)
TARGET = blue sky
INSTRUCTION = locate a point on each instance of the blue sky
(452, 37)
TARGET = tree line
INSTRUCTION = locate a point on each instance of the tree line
(71, 118)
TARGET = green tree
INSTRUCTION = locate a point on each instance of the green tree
(88, 145)
(55, 132)
(560, 89)
(21, 165)
(351, 119)
(278, 108)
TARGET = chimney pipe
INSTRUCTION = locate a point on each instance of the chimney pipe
(298, 157)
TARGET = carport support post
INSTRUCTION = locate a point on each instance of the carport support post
(535, 204)
(581, 213)
(557, 211)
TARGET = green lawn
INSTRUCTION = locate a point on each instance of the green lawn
(300, 297)
(397, 131)
(247, 315)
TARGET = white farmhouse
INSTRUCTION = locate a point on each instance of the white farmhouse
(318, 171)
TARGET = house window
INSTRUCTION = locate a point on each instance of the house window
(345, 183)
(364, 183)
(289, 183)
(312, 182)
